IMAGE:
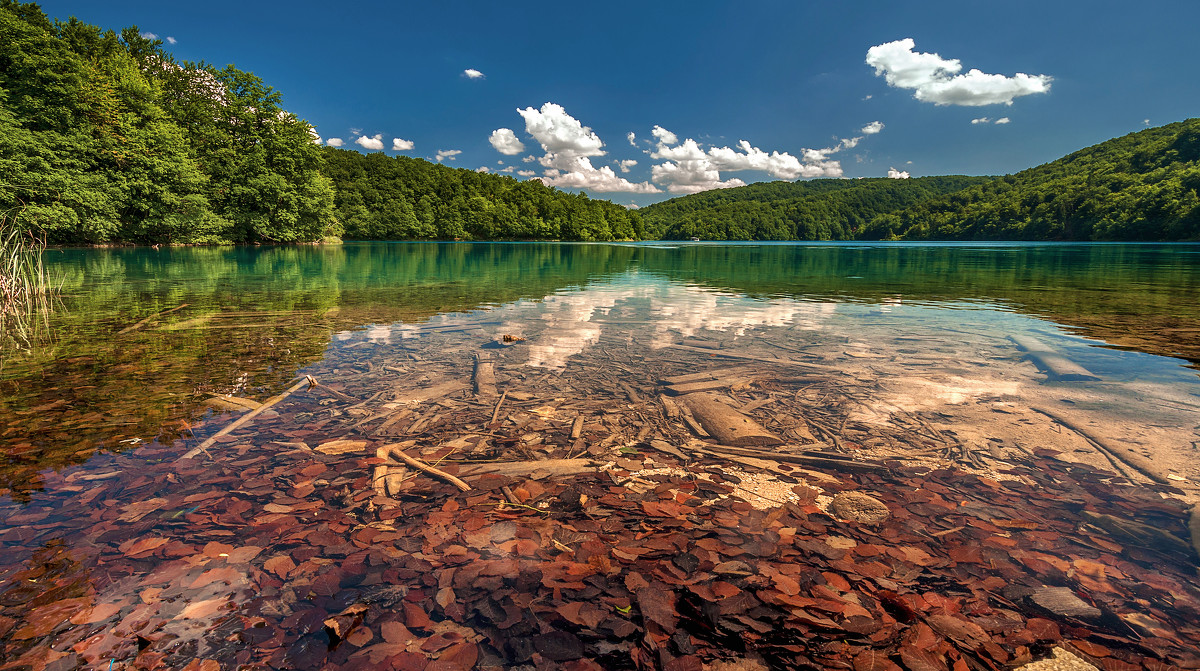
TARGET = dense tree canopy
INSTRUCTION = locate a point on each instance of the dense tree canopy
(823, 209)
(1142, 186)
(400, 198)
(105, 138)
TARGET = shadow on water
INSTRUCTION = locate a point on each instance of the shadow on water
(145, 336)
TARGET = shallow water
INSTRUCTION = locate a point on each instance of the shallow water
(914, 330)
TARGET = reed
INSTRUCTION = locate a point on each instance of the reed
(26, 290)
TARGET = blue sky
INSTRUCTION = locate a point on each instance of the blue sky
(714, 93)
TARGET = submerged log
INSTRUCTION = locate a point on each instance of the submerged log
(485, 375)
(1124, 454)
(715, 374)
(1051, 361)
(727, 425)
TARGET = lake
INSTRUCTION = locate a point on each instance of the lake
(1036, 382)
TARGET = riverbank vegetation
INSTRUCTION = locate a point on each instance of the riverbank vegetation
(25, 286)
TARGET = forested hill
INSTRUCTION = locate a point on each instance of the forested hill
(1142, 186)
(105, 138)
(400, 198)
(823, 209)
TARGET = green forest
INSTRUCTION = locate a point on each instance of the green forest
(821, 209)
(1143, 186)
(400, 198)
(106, 139)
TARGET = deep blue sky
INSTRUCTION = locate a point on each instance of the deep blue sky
(786, 76)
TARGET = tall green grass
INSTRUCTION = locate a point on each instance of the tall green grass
(26, 290)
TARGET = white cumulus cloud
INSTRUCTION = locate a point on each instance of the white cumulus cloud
(505, 141)
(601, 180)
(373, 143)
(443, 154)
(335, 142)
(937, 80)
(980, 120)
(472, 73)
(872, 128)
(664, 136)
(1003, 119)
(569, 146)
(897, 174)
(561, 135)
(315, 136)
(632, 139)
(483, 168)
(401, 145)
(527, 173)
(149, 35)
(626, 165)
(689, 168)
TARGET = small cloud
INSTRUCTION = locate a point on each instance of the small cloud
(872, 128)
(444, 154)
(356, 131)
(981, 119)
(472, 73)
(335, 142)
(1003, 119)
(315, 136)
(508, 169)
(626, 164)
(149, 35)
(896, 174)
(171, 40)
(868, 96)
(632, 139)
(401, 145)
(937, 80)
(371, 143)
(483, 168)
(529, 159)
(1145, 122)
(526, 173)
(633, 206)
(505, 141)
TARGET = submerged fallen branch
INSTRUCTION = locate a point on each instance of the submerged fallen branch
(147, 320)
(397, 451)
(548, 467)
(820, 462)
(245, 419)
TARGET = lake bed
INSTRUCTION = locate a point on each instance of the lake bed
(905, 357)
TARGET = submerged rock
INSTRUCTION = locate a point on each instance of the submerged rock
(859, 507)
